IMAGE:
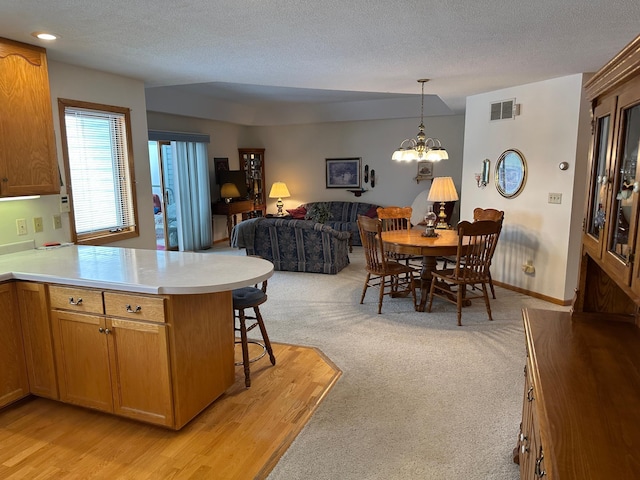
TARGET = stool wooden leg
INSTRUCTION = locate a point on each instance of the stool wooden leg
(245, 348)
(265, 337)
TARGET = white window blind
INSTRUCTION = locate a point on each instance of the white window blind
(99, 170)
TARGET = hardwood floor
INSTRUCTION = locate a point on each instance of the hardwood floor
(241, 435)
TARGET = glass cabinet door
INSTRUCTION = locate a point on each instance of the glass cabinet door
(623, 221)
(599, 182)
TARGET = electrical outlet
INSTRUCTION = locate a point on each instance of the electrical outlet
(21, 225)
(37, 224)
(57, 222)
(555, 198)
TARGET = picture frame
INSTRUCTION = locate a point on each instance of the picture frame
(220, 164)
(425, 170)
(343, 172)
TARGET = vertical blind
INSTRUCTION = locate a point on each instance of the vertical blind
(99, 170)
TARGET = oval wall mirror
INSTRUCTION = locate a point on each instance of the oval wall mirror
(511, 173)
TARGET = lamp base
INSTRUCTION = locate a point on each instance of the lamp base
(442, 218)
(279, 204)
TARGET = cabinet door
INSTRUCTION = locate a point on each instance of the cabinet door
(13, 373)
(622, 226)
(599, 195)
(82, 359)
(140, 373)
(28, 163)
(38, 340)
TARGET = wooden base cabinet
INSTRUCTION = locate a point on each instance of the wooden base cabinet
(582, 390)
(38, 338)
(113, 364)
(160, 359)
(14, 383)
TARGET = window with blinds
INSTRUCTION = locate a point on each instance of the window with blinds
(99, 167)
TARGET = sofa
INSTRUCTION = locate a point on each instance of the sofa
(344, 216)
(294, 245)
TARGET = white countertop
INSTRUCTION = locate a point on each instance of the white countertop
(135, 270)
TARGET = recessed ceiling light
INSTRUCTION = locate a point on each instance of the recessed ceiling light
(45, 36)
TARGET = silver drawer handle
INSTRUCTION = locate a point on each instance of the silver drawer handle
(137, 310)
(77, 302)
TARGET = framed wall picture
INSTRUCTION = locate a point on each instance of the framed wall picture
(343, 172)
(220, 164)
(425, 170)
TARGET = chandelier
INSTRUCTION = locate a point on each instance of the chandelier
(421, 147)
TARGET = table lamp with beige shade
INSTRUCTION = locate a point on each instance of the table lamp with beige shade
(279, 190)
(442, 190)
(228, 191)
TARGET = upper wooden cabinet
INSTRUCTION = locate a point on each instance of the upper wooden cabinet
(252, 164)
(28, 163)
(610, 271)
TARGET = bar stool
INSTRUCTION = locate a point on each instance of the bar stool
(244, 298)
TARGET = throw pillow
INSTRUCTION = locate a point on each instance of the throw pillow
(298, 213)
(372, 212)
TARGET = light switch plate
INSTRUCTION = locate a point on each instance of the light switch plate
(555, 198)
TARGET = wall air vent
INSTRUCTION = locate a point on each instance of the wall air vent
(505, 109)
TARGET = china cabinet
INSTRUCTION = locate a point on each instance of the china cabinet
(610, 273)
(28, 163)
(252, 164)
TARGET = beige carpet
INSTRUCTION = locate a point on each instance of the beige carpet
(419, 398)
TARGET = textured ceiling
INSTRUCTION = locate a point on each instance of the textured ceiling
(245, 51)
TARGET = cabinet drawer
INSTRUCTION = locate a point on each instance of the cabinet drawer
(76, 299)
(134, 306)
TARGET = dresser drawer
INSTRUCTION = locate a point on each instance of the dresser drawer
(77, 299)
(135, 307)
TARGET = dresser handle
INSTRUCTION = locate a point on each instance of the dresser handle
(530, 394)
(538, 470)
(523, 443)
(137, 310)
(78, 302)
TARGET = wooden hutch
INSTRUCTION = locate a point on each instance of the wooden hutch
(581, 408)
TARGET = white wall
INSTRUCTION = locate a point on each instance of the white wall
(67, 81)
(552, 127)
(296, 155)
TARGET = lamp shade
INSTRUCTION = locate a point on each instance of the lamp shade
(279, 190)
(442, 190)
(229, 190)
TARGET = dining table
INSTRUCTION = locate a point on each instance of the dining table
(413, 242)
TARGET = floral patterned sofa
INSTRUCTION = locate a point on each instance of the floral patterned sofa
(294, 245)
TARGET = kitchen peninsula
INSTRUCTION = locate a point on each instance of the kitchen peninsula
(139, 333)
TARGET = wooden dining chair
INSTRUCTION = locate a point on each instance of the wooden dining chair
(482, 214)
(390, 276)
(395, 219)
(476, 245)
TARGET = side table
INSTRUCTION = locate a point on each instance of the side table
(230, 210)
